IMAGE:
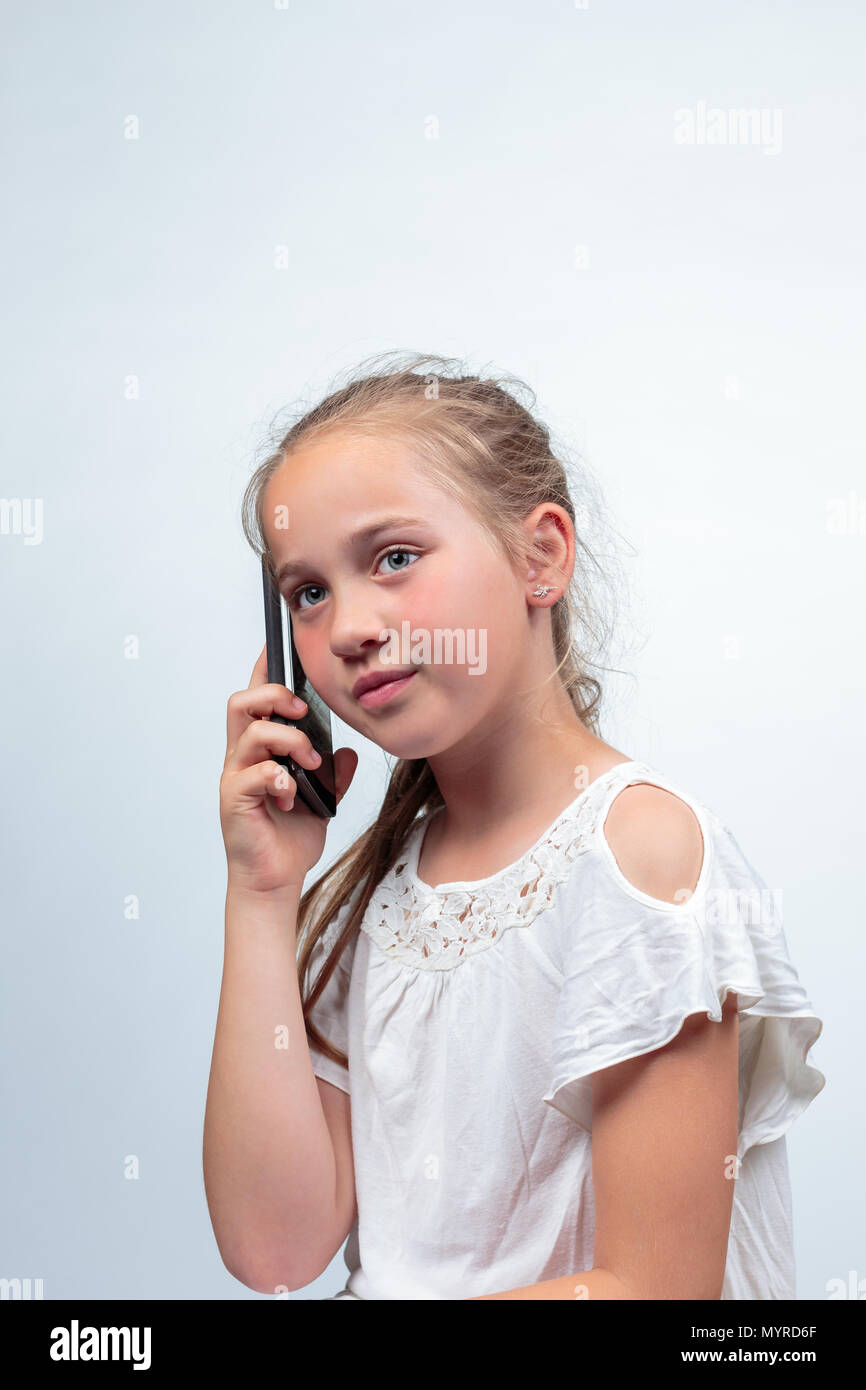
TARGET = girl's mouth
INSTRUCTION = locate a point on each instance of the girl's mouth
(381, 694)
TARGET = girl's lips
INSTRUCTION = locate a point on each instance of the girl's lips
(380, 694)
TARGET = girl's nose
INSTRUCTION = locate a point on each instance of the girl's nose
(355, 626)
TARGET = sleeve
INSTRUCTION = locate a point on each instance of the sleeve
(634, 968)
(330, 1011)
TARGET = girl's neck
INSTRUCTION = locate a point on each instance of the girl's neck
(509, 782)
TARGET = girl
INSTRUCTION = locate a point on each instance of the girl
(553, 1040)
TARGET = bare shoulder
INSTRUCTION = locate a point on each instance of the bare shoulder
(656, 840)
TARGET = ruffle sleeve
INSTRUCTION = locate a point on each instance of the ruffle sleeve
(634, 968)
(330, 1011)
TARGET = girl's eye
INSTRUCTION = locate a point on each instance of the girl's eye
(397, 551)
(294, 599)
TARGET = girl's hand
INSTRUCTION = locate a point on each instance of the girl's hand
(270, 842)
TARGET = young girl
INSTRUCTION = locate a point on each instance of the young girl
(553, 1040)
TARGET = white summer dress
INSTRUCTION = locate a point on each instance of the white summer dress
(474, 1014)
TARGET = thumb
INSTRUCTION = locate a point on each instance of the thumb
(345, 765)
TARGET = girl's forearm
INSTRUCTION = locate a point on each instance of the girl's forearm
(591, 1283)
(268, 1158)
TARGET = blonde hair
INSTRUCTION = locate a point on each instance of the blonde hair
(479, 443)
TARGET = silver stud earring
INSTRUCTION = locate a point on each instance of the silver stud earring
(542, 590)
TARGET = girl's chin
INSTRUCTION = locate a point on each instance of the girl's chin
(412, 747)
(408, 748)
(405, 733)
(417, 742)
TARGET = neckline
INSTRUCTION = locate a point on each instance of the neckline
(414, 849)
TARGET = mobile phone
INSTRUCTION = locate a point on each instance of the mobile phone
(317, 789)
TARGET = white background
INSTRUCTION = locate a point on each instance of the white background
(499, 182)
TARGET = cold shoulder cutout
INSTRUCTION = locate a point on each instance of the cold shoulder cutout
(656, 841)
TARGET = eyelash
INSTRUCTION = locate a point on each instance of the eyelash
(292, 600)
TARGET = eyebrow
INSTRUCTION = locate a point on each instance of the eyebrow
(361, 537)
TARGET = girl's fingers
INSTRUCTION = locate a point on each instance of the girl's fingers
(266, 778)
(244, 707)
(260, 670)
(259, 702)
(263, 736)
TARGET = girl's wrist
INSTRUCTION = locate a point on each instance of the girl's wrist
(263, 901)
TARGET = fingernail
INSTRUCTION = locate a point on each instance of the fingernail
(317, 757)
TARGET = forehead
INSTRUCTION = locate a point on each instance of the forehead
(330, 493)
(340, 474)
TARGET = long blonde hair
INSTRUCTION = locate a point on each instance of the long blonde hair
(482, 445)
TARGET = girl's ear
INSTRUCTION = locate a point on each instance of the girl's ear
(541, 589)
(549, 544)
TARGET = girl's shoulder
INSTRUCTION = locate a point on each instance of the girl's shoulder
(654, 840)
(663, 918)
(658, 844)
(631, 820)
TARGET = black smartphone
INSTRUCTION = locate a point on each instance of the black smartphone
(317, 789)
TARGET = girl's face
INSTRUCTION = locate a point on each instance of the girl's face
(429, 593)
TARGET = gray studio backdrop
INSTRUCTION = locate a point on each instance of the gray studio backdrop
(653, 214)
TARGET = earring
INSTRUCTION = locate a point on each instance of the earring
(542, 590)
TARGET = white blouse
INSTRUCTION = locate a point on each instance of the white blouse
(473, 1015)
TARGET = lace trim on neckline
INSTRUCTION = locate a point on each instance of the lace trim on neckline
(438, 928)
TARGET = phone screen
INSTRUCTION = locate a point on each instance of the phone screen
(317, 787)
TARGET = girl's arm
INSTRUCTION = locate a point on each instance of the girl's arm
(280, 1202)
(664, 1127)
(664, 1146)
